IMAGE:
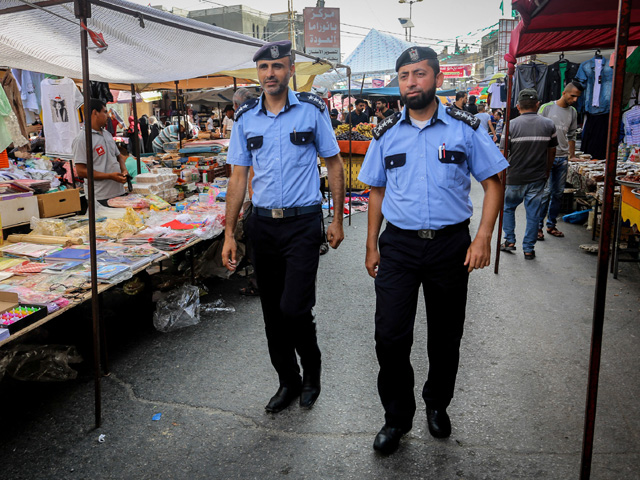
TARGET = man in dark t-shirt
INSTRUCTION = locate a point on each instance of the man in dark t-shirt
(532, 147)
(358, 115)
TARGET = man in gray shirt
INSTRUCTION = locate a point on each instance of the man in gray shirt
(109, 166)
(565, 118)
(485, 121)
(532, 142)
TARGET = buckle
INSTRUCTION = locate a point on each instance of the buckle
(427, 234)
(277, 213)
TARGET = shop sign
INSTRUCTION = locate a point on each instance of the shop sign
(322, 33)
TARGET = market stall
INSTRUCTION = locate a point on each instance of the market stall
(556, 26)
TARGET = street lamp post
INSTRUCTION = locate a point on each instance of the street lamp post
(410, 2)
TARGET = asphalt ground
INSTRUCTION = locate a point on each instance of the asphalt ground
(518, 410)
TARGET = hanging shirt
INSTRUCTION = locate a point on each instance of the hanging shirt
(631, 121)
(530, 76)
(604, 78)
(12, 91)
(60, 101)
(559, 74)
(496, 101)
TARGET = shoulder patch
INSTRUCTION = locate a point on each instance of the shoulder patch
(465, 117)
(246, 106)
(385, 125)
(312, 99)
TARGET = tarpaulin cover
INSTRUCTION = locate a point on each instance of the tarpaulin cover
(561, 25)
(33, 39)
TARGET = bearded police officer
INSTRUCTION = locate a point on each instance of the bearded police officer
(280, 135)
(418, 166)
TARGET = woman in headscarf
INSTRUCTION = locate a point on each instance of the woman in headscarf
(154, 130)
(144, 131)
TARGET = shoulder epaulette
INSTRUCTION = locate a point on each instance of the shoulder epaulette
(248, 105)
(385, 125)
(312, 99)
(466, 117)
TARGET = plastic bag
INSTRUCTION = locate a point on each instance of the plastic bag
(41, 363)
(48, 226)
(178, 309)
(217, 306)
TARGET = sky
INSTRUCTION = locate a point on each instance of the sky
(437, 22)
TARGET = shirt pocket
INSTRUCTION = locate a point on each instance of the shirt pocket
(454, 171)
(254, 144)
(395, 166)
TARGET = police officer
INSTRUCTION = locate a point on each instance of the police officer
(418, 166)
(281, 134)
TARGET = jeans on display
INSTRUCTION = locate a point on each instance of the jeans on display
(532, 195)
(553, 192)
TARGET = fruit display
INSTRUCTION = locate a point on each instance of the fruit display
(361, 133)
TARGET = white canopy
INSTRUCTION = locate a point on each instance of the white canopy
(167, 48)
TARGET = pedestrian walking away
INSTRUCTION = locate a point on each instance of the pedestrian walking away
(532, 147)
(565, 118)
(280, 135)
(419, 167)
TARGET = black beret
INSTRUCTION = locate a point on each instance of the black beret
(415, 55)
(273, 51)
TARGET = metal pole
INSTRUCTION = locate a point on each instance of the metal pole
(83, 11)
(505, 135)
(178, 109)
(624, 19)
(136, 144)
(350, 149)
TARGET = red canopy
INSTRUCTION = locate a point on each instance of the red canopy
(560, 25)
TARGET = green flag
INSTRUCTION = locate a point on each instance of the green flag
(502, 7)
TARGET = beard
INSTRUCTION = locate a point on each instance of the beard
(421, 101)
(275, 89)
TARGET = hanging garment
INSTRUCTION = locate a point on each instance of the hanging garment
(100, 90)
(594, 135)
(9, 127)
(496, 101)
(29, 84)
(60, 100)
(596, 82)
(631, 122)
(558, 76)
(12, 90)
(529, 75)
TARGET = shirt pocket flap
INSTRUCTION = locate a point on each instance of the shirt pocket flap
(302, 138)
(395, 161)
(254, 142)
(452, 156)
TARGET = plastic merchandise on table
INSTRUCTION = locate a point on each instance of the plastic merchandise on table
(178, 309)
(49, 226)
(157, 203)
(132, 200)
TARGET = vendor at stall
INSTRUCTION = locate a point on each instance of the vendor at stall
(227, 122)
(169, 134)
(109, 168)
(131, 162)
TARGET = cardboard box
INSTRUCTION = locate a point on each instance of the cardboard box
(18, 210)
(9, 300)
(59, 203)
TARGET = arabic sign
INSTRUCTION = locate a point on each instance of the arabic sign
(322, 32)
(456, 71)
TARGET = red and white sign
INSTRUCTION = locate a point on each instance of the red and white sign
(456, 71)
(322, 32)
(100, 150)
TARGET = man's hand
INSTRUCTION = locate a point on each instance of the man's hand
(335, 234)
(371, 261)
(119, 177)
(380, 115)
(478, 254)
(229, 253)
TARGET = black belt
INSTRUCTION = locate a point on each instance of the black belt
(430, 234)
(286, 212)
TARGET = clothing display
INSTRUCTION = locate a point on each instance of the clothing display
(29, 84)
(559, 74)
(496, 99)
(60, 100)
(11, 88)
(9, 127)
(530, 75)
(594, 135)
(597, 76)
(631, 121)
(100, 90)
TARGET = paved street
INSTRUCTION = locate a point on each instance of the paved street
(518, 412)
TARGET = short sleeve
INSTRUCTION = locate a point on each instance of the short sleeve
(238, 152)
(372, 171)
(486, 159)
(325, 141)
(79, 148)
(78, 97)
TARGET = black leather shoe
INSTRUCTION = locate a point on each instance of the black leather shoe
(281, 400)
(310, 389)
(388, 439)
(439, 423)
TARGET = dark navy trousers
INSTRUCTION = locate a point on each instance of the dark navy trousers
(406, 262)
(285, 258)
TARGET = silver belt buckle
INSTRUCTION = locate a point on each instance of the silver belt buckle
(427, 234)
(277, 213)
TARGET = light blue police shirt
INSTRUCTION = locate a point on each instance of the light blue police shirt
(423, 191)
(283, 150)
